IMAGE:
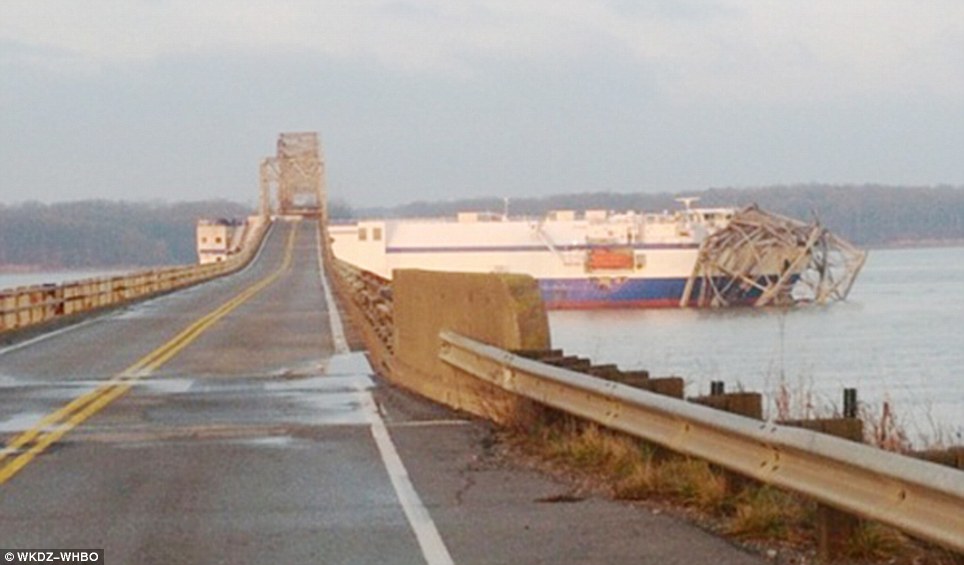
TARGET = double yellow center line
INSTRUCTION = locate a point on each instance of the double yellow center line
(22, 449)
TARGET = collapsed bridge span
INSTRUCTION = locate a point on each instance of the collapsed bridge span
(762, 258)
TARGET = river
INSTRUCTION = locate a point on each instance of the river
(898, 339)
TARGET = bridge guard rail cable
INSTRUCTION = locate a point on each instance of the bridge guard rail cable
(370, 300)
(920, 498)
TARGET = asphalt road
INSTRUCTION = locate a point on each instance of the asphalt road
(257, 442)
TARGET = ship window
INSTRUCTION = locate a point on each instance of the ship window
(376, 234)
(640, 261)
(362, 234)
(204, 240)
(217, 240)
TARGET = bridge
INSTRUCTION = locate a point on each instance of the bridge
(239, 413)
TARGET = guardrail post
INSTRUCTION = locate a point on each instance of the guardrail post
(749, 404)
(835, 529)
(667, 386)
(952, 457)
(850, 403)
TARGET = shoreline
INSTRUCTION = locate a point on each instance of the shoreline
(921, 244)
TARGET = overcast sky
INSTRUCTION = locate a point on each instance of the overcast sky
(179, 100)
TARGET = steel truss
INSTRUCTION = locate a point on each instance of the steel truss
(762, 258)
(295, 175)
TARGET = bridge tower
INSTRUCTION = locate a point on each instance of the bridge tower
(300, 173)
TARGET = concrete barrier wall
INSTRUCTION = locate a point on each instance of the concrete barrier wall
(40, 307)
(505, 311)
(356, 291)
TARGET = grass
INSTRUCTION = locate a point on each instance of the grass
(769, 513)
(873, 542)
(882, 424)
(694, 483)
(634, 470)
(630, 469)
(883, 429)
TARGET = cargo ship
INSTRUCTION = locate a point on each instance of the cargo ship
(598, 258)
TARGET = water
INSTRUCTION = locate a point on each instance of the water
(14, 280)
(899, 339)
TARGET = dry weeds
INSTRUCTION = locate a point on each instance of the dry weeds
(630, 469)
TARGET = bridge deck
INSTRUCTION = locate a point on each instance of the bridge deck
(253, 443)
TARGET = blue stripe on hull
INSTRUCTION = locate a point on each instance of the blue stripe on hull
(624, 292)
(611, 292)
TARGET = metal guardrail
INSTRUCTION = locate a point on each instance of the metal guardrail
(29, 306)
(920, 498)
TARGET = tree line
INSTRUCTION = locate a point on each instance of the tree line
(100, 233)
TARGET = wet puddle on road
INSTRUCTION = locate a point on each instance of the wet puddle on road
(330, 384)
(164, 405)
(165, 385)
(252, 410)
(20, 422)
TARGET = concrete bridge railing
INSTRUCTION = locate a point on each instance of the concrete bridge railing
(44, 305)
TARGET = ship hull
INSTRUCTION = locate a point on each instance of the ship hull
(597, 293)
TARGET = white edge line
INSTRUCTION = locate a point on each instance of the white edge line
(48, 335)
(429, 424)
(429, 540)
(337, 328)
(101, 318)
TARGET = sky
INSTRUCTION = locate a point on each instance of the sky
(442, 99)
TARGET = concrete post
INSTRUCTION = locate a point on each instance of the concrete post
(502, 310)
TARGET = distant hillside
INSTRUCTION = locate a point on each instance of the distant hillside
(866, 214)
(97, 233)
